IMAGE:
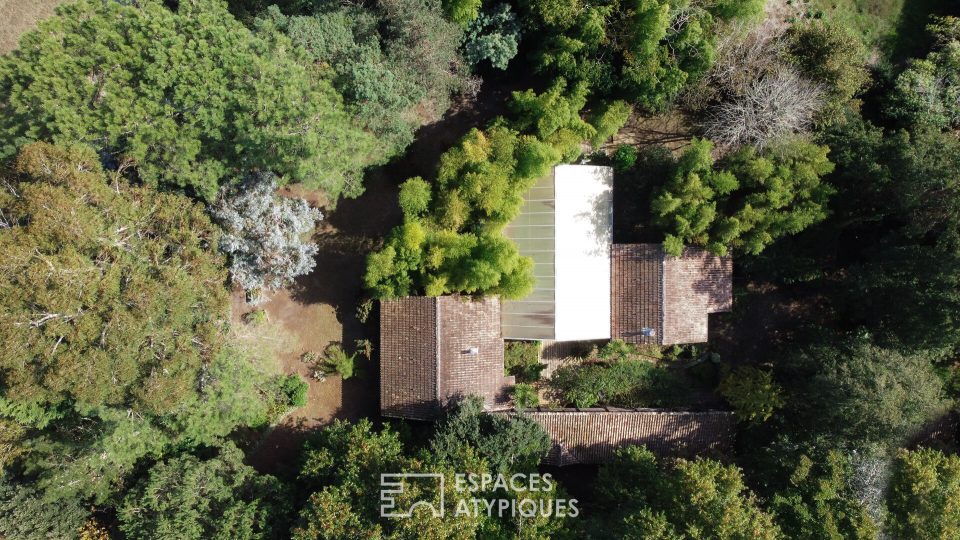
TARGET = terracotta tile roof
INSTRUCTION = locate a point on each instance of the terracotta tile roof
(592, 436)
(426, 356)
(671, 297)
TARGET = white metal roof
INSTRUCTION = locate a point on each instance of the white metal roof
(566, 226)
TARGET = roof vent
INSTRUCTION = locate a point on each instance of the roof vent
(473, 350)
(648, 332)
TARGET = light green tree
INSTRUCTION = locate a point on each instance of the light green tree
(925, 495)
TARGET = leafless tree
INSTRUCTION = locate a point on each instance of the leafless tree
(776, 104)
(752, 95)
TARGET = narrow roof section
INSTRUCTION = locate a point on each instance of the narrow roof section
(593, 436)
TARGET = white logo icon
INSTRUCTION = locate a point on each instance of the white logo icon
(392, 484)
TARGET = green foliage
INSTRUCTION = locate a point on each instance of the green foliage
(522, 360)
(190, 98)
(462, 12)
(855, 395)
(927, 93)
(395, 62)
(617, 377)
(641, 498)
(493, 36)
(624, 157)
(294, 389)
(642, 50)
(342, 466)
(554, 116)
(505, 443)
(105, 281)
(525, 396)
(336, 360)
(190, 498)
(257, 317)
(414, 197)
(752, 393)
(25, 515)
(818, 503)
(746, 202)
(925, 495)
(611, 118)
(832, 56)
(902, 192)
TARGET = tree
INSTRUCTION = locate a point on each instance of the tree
(644, 51)
(396, 63)
(833, 58)
(925, 493)
(752, 392)
(753, 94)
(494, 36)
(342, 466)
(186, 497)
(505, 443)
(190, 98)
(686, 500)
(928, 92)
(414, 197)
(900, 191)
(25, 515)
(857, 396)
(818, 503)
(263, 235)
(105, 281)
(747, 201)
(462, 12)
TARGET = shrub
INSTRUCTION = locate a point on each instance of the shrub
(414, 196)
(525, 396)
(752, 392)
(294, 389)
(256, 317)
(336, 360)
(624, 158)
(522, 360)
(625, 382)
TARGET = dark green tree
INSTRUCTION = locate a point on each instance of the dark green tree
(686, 500)
(189, 98)
(505, 443)
(854, 395)
(190, 498)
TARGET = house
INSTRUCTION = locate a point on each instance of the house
(436, 349)
(664, 300)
